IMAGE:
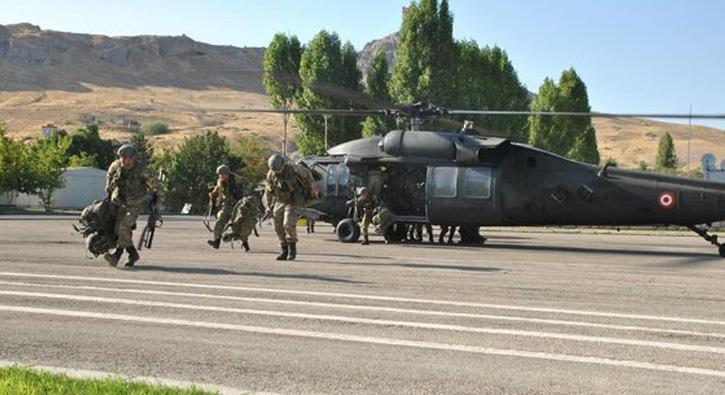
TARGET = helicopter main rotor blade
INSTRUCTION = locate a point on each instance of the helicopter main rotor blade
(335, 112)
(586, 114)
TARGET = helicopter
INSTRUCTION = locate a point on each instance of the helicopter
(468, 180)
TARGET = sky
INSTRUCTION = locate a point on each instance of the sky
(634, 56)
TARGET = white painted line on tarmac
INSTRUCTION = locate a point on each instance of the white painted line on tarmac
(375, 297)
(380, 322)
(372, 308)
(99, 375)
(367, 340)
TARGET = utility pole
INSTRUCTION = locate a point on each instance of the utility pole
(285, 120)
(689, 136)
(327, 145)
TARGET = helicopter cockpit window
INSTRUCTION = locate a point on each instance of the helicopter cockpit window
(444, 182)
(343, 175)
(331, 180)
(477, 182)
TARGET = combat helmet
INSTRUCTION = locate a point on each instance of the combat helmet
(127, 150)
(276, 162)
(223, 169)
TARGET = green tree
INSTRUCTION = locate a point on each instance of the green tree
(666, 156)
(573, 97)
(328, 81)
(255, 152)
(81, 160)
(378, 79)
(142, 144)
(191, 170)
(424, 69)
(573, 137)
(488, 80)
(585, 148)
(13, 165)
(544, 131)
(47, 159)
(281, 70)
(89, 140)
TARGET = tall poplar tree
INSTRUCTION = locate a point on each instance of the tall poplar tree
(666, 156)
(330, 79)
(281, 66)
(424, 67)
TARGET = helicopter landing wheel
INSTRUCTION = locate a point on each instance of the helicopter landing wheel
(348, 231)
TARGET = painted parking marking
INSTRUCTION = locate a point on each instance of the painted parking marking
(369, 340)
(377, 297)
(380, 322)
(373, 308)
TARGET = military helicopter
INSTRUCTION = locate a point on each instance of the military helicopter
(464, 179)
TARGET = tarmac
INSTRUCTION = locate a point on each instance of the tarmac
(527, 313)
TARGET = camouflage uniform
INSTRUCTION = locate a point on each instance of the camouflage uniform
(287, 195)
(128, 189)
(367, 205)
(225, 195)
(243, 221)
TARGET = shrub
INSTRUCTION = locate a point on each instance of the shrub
(154, 128)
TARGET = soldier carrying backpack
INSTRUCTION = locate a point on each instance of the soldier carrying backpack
(289, 187)
(128, 183)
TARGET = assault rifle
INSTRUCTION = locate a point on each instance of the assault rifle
(154, 221)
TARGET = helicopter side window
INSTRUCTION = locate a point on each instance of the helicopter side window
(477, 182)
(444, 182)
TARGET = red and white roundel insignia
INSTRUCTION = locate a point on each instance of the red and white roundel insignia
(667, 200)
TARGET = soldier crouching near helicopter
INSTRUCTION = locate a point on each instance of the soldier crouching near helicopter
(284, 196)
(128, 183)
(225, 195)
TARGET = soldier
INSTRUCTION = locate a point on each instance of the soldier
(285, 197)
(366, 205)
(243, 221)
(225, 195)
(128, 183)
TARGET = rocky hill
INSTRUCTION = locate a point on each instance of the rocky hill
(31, 58)
(388, 44)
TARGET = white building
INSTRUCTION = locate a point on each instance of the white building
(83, 185)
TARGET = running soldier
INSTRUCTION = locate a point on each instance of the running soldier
(224, 196)
(285, 195)
(128, 183)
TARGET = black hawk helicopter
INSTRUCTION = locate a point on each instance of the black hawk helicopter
(464, 179)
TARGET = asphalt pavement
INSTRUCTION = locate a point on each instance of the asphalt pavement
(527, 313)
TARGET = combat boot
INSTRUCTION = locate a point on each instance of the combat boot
(133, 256)
(113, 259)
(245, 244)
(283, 255)
(214, 243)
(292, 254)
(365, 240)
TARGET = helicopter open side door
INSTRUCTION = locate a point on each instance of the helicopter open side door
(461, 195)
